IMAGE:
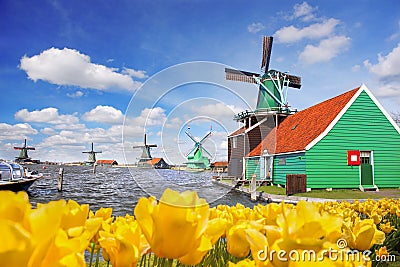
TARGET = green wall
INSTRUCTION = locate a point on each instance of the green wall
(253, 166)
(362, 127)
(288, 164)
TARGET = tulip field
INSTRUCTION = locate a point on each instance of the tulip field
(180, 229)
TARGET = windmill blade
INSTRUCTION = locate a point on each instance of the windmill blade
(294, 81)
(240, 76)
(191, 136)
(192, 150)
(266, 53)
(205, 137)
(205, 150)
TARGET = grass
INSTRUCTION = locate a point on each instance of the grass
(321, 193)
(338, 194)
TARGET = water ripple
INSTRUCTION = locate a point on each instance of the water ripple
(120, 188)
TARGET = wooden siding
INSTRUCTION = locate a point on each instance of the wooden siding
(253, 167)
(362, 127)
(295, 164)
(246, 142)
(235, 155)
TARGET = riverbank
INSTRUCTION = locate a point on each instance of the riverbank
(278, 194)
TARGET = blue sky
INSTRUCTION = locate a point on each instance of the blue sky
(76, 72)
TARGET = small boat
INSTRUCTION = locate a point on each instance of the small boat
(15, 177)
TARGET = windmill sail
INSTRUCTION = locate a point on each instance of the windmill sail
(266, 56)
(240, 76)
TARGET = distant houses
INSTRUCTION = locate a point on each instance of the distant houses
(157, 163)
(348, 141)
(106, 162)
(219, 166)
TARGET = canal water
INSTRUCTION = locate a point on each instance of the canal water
(120, 188)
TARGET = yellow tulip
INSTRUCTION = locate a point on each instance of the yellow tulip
(259, 246)
(14, 206)
(270, 212)
(382, 252)
(74, 215)
(174, 226)
(307, 227)
(386, 227)
(237, 244)
(15, 244)
(122, 253)
(364, 235)
(195, 256)
(123, 246)
(215, 229)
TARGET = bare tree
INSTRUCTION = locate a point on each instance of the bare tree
(396, 117)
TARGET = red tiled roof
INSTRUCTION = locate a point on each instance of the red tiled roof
(105, 161)
(238, 131)
(220, 164)
(300, 129)
(153, 161)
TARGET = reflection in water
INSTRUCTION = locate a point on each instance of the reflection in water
(120, 188)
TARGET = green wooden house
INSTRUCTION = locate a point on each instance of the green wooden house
(348, 141)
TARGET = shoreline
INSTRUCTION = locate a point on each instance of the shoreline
(272, 198)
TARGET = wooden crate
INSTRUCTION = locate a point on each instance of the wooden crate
(295, 183)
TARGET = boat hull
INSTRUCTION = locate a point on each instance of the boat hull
(21, 185)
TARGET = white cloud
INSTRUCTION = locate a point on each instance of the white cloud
(70, 67)
(16, 132)
(86, 136)
(224, 145)
(104, 114)
(140, 74)
(219, 111)
(255, 27)
(175, 123)
(292, 34)
(387, 66)
(356, 68)
(77, 94)
(389, 90)
(46, 115)
(148, 117)
(325, 51)
(304, 11)
(48, 131)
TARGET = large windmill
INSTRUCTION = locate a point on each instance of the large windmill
(23, 154)
(146, 156)
(272, 94)
(92, 156)
(195, 157)
(271, 109)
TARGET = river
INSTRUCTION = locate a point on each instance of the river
(120, 188)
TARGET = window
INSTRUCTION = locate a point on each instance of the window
(282, 161)
(365, 157)
(234, 142)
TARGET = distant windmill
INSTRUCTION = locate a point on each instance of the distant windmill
(23, 154)
(195, 157)
(273, 84)
(92, 156)
(146, 156)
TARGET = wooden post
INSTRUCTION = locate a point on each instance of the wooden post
(60, 179)
(253, 187)
(94, 168)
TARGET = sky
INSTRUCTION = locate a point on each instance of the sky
(76, 72)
